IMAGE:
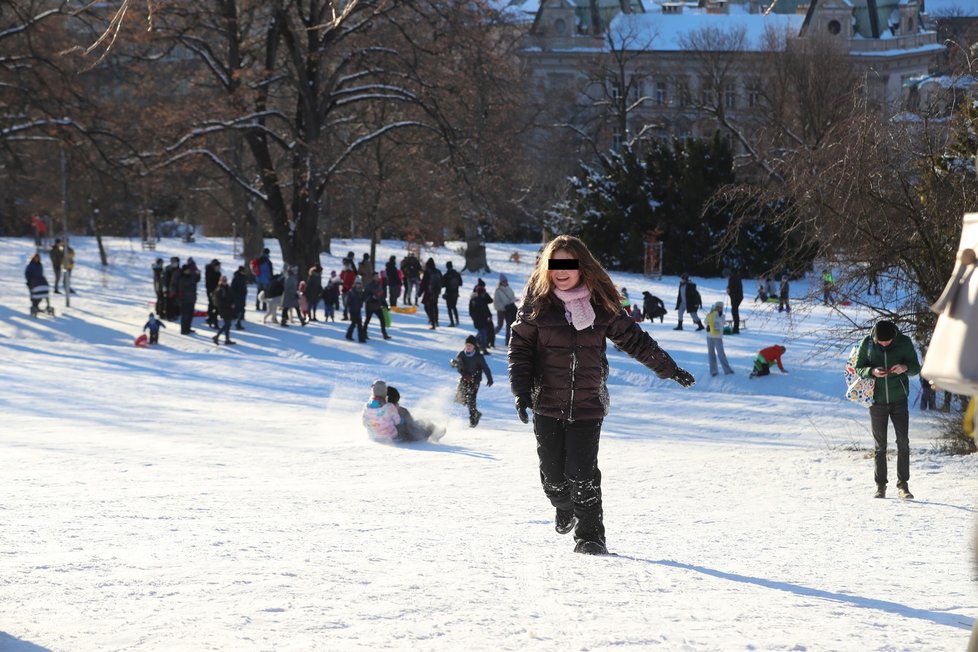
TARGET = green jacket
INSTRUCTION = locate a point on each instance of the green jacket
(892, 387)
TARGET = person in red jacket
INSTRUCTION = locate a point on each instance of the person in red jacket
(762, 363)
(347, 277)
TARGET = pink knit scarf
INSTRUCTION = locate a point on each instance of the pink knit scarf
(577, 306)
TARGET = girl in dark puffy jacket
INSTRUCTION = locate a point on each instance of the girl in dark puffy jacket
(558, 370)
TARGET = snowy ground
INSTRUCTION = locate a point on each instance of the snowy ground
(190, 497)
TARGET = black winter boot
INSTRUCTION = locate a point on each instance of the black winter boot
(591, 548)
(564, 521)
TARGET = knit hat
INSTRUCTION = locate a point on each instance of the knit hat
(503, 279)
(393, 396)
(471, 340)
(379, 389)
(718, 305)
(885, 331)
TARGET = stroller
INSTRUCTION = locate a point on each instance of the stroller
(40, 293)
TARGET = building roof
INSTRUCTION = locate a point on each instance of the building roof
(665, 32)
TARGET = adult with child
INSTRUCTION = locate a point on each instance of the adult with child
(470, 365)
(558, 371)
(765, 358)
(379, 417)
(688, 301)
(889, 356)
(714, 339)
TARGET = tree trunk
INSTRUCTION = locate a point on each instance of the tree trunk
(475, 249)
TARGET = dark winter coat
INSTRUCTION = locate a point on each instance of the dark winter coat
(57, 255)
(471, 367)
(430, 284)
(212, 276)
(479, 308)
(652, 306)
(354, 301)
(34, 274)
(565, 371)
(290, 297)
(452, 281)
(735, 288)
(393, 276)
(239, 288)
(692, 298)
(314, 287)
(187, 285)
(373, 296)
(411, 267)
(892, 387)
(223, 301)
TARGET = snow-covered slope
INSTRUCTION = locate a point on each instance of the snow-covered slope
(192, 497)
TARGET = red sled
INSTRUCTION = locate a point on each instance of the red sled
(142, 341)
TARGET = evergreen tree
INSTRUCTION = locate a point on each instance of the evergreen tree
(614, 207)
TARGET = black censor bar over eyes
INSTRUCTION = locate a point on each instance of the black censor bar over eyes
(564, 263)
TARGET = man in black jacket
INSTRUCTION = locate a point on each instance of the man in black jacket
(689, 301)
(735, 290)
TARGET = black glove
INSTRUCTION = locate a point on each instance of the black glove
(523, 403)
(489, 383)
(683, 377)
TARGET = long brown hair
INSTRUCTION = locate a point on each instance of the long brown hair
(539, 289)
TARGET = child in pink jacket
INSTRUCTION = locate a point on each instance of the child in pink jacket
(380, 418)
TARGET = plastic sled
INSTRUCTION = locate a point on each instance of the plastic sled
(405, 310)
(142, 341)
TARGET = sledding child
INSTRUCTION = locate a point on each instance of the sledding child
(411, 429)
(380, 418)
(153, 326)
(764, 359)
(470, 365)
(558, 369)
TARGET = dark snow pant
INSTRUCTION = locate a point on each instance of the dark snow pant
(568, 452)
(380, 318)
(735, 314)
(225, 329)
(466, 394)
(187, 314)
(451, 303)
(899, 414)
(154, 336)
(393, 292)
(431, 310)
(356, 323)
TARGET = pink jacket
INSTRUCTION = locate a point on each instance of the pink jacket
(381, 420)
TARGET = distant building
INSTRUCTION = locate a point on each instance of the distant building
(676, 59)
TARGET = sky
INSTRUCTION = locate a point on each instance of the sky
(199, 497)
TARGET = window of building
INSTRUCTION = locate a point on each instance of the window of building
(753, 95)
(707, 93)
(616, 139)
(660, 94)
(730, 97)
(682, 88)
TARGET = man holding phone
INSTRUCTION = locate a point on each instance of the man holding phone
(889, 356)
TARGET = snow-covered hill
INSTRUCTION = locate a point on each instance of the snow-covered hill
(192, 497)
